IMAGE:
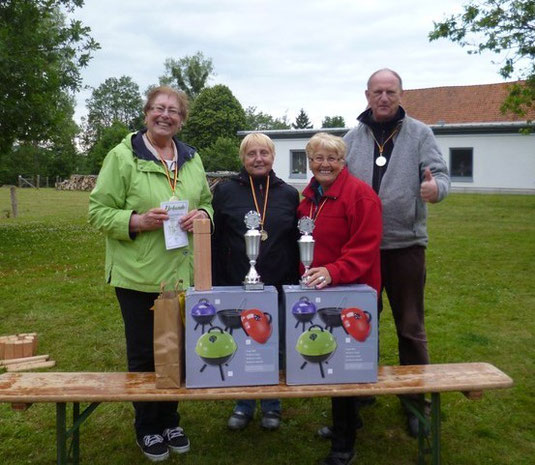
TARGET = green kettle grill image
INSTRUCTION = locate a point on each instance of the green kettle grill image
(216, 347)
(316, 346)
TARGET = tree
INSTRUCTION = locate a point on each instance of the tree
(115, 100)
(215, 113)
(109, 138)
(259, 121)
(40, 60)
(56, 156)
(499, 26)
(222, 155)
(189, 74)
(302, 121)
(333, 122)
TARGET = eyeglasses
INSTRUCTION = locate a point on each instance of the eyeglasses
(319, 160)
(160, 110)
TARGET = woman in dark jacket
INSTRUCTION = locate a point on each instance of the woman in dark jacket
(256, 188)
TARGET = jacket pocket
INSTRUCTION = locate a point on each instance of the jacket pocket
(143, 245)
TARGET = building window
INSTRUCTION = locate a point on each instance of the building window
(462, 164)
(298, 164)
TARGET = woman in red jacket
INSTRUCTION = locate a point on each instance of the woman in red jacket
(347, 235)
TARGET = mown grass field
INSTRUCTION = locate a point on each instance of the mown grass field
(480, 306)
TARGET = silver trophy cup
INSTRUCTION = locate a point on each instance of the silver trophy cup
(252, 247)
(306, 246)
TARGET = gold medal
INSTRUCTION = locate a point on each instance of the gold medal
(381, 160)
(264, 234)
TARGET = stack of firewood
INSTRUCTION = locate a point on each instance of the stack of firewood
(19, 353)
(214, 178)
(78, 182)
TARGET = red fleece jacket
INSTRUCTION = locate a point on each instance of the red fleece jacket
(347, 231)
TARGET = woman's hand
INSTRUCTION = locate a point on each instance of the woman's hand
(186, 223)
(149, 221)
(318, 277)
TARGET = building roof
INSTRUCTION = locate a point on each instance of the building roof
(460, 104)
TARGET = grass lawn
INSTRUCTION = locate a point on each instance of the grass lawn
(479, 303)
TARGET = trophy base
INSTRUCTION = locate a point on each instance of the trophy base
(253, 286)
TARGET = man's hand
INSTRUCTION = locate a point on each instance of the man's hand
(429, 188)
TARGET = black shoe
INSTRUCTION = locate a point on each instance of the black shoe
(154, 447)
(176, 439)
(339, 458)
(238, 420)
(271, 420)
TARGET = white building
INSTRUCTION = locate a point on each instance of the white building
(484, 149)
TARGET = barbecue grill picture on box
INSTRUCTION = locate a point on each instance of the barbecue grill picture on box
(331, 335)
(232, 337)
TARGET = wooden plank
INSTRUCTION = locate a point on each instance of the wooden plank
(31, 365)
(27, 347)
(37, 358)
(122, 387)
(202, 255)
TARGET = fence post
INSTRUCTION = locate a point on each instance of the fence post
(20, 180)
(38, 183)
(14, 206)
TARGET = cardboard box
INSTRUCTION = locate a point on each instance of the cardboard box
(331, 335)
(232, 337)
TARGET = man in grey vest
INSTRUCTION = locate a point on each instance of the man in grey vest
(398, 156)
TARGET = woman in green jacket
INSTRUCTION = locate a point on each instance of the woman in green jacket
(147, 168)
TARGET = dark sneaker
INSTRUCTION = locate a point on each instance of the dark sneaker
(154, 447)
(176, 440)
(271, 420)
(339, 458)
(238, 420)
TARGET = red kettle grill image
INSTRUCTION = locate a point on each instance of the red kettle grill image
(257, 324)
(357, 323)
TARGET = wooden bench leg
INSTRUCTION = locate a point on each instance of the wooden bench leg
(435, 427)
(75, 445)
(425, 424)
(63, 434)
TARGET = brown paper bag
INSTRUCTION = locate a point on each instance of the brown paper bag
(169, 337)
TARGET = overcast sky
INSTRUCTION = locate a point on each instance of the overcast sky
(282, 55)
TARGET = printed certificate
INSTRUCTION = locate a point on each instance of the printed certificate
(175, 236)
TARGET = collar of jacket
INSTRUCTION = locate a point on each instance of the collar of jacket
(332, 193)
(366, 118)
(185, 152)
(243, 178)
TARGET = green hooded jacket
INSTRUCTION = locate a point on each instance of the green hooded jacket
(133, 181)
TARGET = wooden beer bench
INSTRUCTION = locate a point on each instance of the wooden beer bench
(23, 389)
